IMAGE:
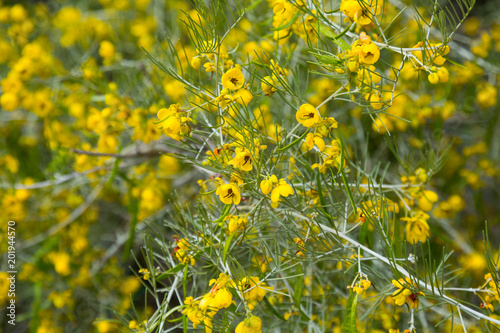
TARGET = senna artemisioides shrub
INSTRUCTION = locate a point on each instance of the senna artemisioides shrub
(305, 218)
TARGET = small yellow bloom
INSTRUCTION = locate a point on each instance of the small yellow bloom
(362, 286)
(107, 49)
(61, 261)
(368, 52)
(195, 62)
(229, 193)
(242, 160)
(209, 67)
(417, 229)
(433, 78)
(315, 140)
(145, 272)
(267, 86)
(249, 325)
(282, 189)
(427, 199)
(233, 79)
(267, 184)
(307, 115)
(236, 223)
(443, 75)
(173, 121)
(406, 293)
(243, 96)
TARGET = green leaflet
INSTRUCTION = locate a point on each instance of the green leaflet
(337, 39)
(171, 271)
(207, 193)
(272, 309)
(322, 200)
(297, 290)
(294, 142)
(226, 210)
(227, 245)
(456, 63)
(327, 59)
(350, 314)
(184, 290)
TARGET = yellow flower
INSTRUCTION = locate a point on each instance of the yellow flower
(331, 157)
(406, 293)
(267, 184)
(282, 189)
(252, 324)
(252, 289)
(9, 101)
(486, 96)
(433, 78)
(369, 54)
(366, 50)
(173, 121)
(195, 62)
(209, 67)
(417, 229)
(132, 325)
(229, 193)
(267, 86)
(283, 10)
(107, 50)
(443, 75)
(182, 251)
(315, 139)
(233, 79)
(61, 261)
(243, 96)
(488, 306)
(193, 311)
(362, 286)
(145, 272)
(242, 160)
(427, 199)
(219, 296)
(216, 299)
(353, 11)
(236, 223)
(307, 115)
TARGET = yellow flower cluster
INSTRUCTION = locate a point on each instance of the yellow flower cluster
(184, 252)
(364, 52)
(492, 293)
(174, 122)
(233, 81)
(332, 157)
(236, 223)
(361, 286)
(406, 293)
(360, 12)
(416, 190)
(252, 289)
(271, 84)
(220, 297)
